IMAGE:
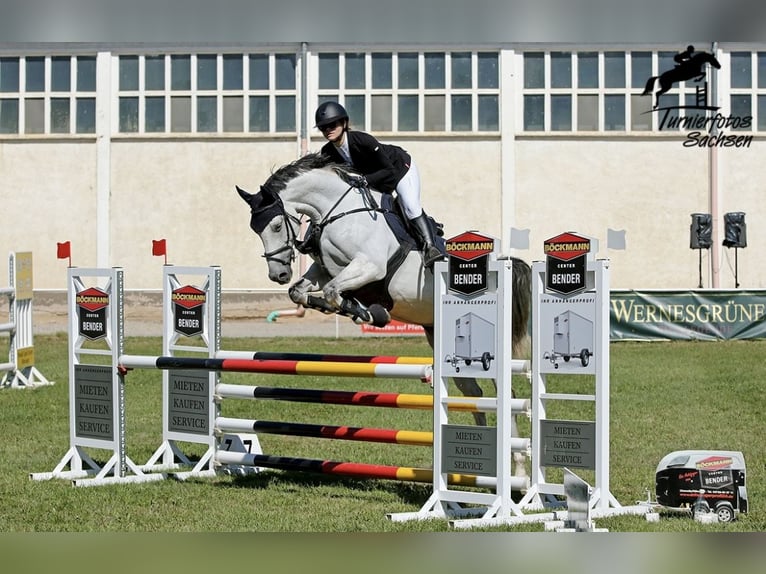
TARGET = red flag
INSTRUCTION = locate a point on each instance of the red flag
(159, 247)
(63, 250)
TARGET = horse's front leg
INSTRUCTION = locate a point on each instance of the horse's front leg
(360, 272)
(312, 281)
(471, 388)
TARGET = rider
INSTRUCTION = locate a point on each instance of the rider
(683, 57)
(386, 168)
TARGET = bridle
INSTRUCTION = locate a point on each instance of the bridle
(292, 237)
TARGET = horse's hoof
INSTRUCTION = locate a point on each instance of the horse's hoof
(379, 315)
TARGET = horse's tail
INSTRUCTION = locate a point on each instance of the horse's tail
(649, 86)
(522, 303)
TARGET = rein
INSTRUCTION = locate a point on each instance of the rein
(367, 198)
(310, 244)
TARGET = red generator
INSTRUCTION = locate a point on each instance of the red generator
(703, 481)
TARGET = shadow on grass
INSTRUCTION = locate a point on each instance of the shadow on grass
(407, 492)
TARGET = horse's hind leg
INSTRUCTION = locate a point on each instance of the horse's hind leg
(471, 388)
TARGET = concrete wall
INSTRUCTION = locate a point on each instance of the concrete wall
(183, 190)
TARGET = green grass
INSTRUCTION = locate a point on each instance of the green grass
(664, 397)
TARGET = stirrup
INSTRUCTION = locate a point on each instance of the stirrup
(430, 256)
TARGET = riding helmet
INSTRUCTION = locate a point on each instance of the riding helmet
(330, 112)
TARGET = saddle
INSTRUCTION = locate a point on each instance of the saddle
(397, 222)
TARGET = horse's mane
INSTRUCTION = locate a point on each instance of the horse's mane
(281, 177)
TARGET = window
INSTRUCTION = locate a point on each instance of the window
(47, 95)
(561, 70)
(207, 93)
(741, 70)
(414, 91)
(748, 91)
(604, 91)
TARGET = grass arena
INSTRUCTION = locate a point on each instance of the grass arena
(652, 414)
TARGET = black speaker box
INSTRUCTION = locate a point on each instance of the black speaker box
(701, 231)
(735, 230)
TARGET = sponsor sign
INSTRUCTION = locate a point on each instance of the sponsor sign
(93, 402)
(92, 305)
(23, 271)
(687, 315)
(188, 402)
(565, 263)
(469, 450)
(468, 255)
(188, 308)
(568, 443)
(715, 462)
(25, 358)
(393, 328)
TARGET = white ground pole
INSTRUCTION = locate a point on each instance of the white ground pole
(96, 390)
(178, 423)
(454, 504)
(20, 371)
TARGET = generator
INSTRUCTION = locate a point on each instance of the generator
(702, 481)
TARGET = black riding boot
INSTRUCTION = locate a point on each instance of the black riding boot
(424, 234)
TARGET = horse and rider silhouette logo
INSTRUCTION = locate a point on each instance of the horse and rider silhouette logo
(689, 65)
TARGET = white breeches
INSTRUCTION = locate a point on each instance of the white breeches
(408, 191)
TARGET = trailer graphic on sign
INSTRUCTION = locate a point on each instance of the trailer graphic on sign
(474, 342)
(572, 338)
(567, 327)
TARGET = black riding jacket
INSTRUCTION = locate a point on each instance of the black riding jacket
(382, 164)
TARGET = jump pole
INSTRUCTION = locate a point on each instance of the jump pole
(20, 371)
(95, 303)
(275, 367)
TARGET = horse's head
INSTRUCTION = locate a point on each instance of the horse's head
(270, 221)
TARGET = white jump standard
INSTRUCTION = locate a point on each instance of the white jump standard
(19, 371)
(96, 393)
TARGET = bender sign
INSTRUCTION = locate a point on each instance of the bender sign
(565, 261)
(188, 307)
(92, 305)
(468, 254)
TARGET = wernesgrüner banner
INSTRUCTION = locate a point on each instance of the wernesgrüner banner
(688, 315)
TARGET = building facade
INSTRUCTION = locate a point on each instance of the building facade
(110, 147)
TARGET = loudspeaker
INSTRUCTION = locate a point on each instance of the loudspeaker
(735, 230)
(701, 231)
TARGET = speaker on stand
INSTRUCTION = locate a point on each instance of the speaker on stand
(735, 235)
(701, 236)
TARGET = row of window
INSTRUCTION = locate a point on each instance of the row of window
(53, 95)
(423, 92)
(604, 91)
